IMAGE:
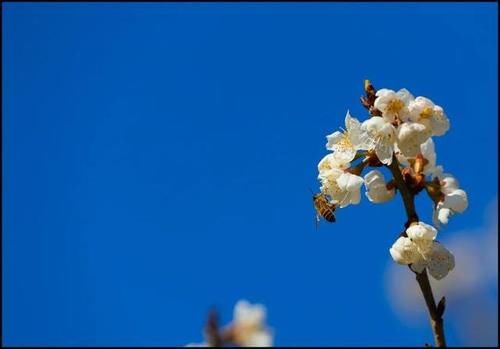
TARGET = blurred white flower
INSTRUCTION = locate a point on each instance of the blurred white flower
(379, 135)
(376, 188)
(393, 105)
(248, 326)
(346, 144)
(424, 111)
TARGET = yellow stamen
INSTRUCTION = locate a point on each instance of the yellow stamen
(395, 106)
(345, 142)
(426, 113)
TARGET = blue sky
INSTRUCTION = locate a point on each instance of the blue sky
(157, 160)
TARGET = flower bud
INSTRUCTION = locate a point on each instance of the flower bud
(376, 188)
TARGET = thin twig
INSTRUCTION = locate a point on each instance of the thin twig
(435, 312)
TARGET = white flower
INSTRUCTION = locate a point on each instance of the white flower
(343, 187)
(330, 162)
(379, 135)
(410, 136)
(422, 235)
(346, 144)
(249, 315)
(438, 261)
(376, 188)
(328, 179)
(424, 111)
(393, 105)
(249, 327)
(349, 185)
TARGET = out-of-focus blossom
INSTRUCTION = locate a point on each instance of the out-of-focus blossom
(248, 326)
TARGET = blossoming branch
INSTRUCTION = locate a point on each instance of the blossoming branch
(398, 136)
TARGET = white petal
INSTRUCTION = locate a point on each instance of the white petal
(330, 162)
(404, 251)
(349, 182)
(441, 215)
(259, 339)
(456, 200)
(345, 155)
(248, 314)
(449, 183)
(422, 235)
(333, 139)
(350, 122)
(419, 265)
(440, 122)
(405, 95)
(410, 136)
(383, 92)
(377, 191)
(384, 152)
(355, 197)
(428, 152)
(421, 231)
(441, 261)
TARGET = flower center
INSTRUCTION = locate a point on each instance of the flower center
(395, 105)
(426, 113)
(345, 142)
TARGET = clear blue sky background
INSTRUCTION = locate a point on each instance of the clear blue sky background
(157, 160)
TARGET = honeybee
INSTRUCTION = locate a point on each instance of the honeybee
(323, 208)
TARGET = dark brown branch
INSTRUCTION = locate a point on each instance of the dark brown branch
(408, 197)
(435, 312)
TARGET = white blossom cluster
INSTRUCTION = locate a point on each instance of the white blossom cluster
(401, 127)
(420, 250)
(248, 328)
